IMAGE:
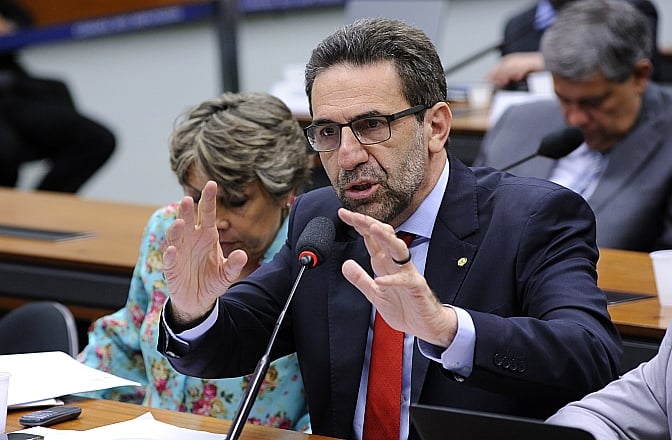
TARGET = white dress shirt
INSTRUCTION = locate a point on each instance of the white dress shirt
(580, 170)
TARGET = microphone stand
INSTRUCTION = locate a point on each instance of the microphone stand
(518, 162)
(260, 371)
(522, 33)
(471, 58)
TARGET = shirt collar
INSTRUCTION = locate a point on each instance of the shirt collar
(544, 16)
(278, 241)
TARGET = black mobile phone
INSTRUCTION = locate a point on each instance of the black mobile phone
(49, 416)
(20, 436)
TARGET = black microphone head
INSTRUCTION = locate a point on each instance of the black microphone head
(560, 143)
(314, 243)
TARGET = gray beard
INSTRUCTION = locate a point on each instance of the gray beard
(392, 198)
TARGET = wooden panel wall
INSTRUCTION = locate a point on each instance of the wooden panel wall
(47, 12)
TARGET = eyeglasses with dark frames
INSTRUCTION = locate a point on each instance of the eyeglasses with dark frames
(368, 130)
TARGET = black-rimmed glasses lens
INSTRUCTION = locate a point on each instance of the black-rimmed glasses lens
(368, 130)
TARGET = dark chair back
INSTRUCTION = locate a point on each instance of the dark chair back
(39, 326)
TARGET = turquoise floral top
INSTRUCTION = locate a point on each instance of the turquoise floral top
(124, 344)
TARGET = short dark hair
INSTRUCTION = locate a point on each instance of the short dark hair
(369, 41)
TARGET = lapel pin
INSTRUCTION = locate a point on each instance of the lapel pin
(462, 261)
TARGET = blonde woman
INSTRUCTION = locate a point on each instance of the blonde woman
(252, 147)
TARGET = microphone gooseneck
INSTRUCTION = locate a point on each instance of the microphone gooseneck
(514, 38)
(313, 247)
(554, 145)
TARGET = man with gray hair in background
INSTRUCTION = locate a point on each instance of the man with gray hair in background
(598, 53)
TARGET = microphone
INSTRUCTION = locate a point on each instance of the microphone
(554, 145)
(314, 246)
(314, 243)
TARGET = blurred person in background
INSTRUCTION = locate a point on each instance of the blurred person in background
(252, 147)
(39, 120)
(636, 406)
(598, 53)
(522, 37)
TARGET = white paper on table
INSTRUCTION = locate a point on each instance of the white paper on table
(46, 375)
(144, 427)
(45, 402)
(503, 99)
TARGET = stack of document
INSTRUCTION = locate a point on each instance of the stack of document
(38, 378)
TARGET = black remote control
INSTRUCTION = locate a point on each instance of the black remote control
(49, 416)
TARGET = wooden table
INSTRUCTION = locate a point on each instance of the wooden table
(90, 275)
(641, 323)
(627, 271)
(96, 413)
(468, 121)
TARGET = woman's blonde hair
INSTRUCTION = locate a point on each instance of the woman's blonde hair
(239, 137)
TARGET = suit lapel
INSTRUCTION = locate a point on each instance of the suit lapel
(629, 155)
(448, 260)
(450, 255)
(349, 314)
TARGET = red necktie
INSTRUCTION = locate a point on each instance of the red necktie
(383, 397)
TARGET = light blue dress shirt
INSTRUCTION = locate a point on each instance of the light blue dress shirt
(544, 15)
(580, 170)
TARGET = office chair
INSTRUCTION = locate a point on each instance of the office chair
(39, 326)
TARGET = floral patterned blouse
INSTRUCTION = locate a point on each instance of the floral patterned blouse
(124, 344)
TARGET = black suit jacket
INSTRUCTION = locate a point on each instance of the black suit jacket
(520, 34)
(543, 335)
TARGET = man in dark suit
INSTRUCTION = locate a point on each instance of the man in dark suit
(622, 169)
(495, 301)
(522, 37)
(39, 120)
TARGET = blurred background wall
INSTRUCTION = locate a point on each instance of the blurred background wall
(138, 82)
